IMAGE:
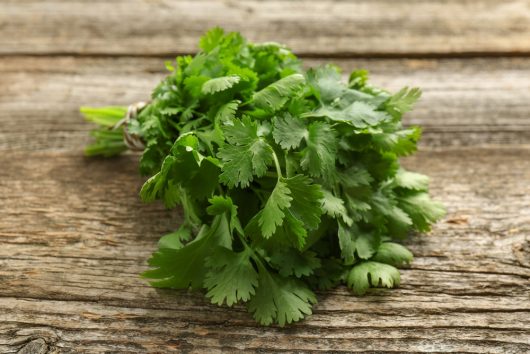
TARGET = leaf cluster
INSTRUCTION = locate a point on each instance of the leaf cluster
(289, 180)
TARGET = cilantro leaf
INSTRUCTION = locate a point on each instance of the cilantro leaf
(184, 168)
(422, 210)
(279, 299)
(372, 274)
(293, 199)
(329, 275)
(273, 213)
(325, 83)
(334, 207)
(411, 180)
(227, 112)
(246, 155)
(219, 205)
(231, 277)
(219, 84)
(274, 96)
(211, 39)
(401, 142)
(175, 239)
(185, 267)
(359, 114)
(356, 244)
(319, 156)
(393, 254)
(289, 262)
(289, 131)
(306, 202)
(402, 101)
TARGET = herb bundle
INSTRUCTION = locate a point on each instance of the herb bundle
(289, 180)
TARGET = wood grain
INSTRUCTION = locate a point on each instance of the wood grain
(75, 237)
(465, 102)
(313, 28)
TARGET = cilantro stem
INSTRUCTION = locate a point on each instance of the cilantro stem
(277, 164)
(288, 169)
(271, 174)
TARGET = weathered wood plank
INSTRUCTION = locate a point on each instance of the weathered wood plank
(325, 27)
(75, 237)
(465, 102)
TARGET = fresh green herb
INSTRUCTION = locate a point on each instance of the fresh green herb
(289, 179)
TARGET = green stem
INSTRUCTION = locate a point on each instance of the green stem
(288, 171)
(277, 164)
(271, 174)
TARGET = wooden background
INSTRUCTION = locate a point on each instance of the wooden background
(74, 235)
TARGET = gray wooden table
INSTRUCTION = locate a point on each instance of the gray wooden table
(74, 235)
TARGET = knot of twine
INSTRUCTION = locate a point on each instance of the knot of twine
(132, 141)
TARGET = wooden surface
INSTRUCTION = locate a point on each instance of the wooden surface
(311, 27)
(74, 235)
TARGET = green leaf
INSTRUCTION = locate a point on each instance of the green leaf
(184, 168)
(319, 155)
(231, 277)
(195, 84)
(358, 79)
(411, 180)
(355, 176)
(292, 262)
(294, 204)
(401, 142)
(289, 131)
(422, 210)
(227, 112)
(281, 300)
(366, 244)
(273, 214)
(211, 39)
(241, 132)
(219, 84)
(393, 254)
(326, 83)
(306, 202)
(346, 243)
(219, 205)
(402, 101)
(372, 274)
(274, 96)
(357, 209)
(175, 240)
(385, 204)
(224, 205)
(185, 267)
(358, 114)
(247, 155)
(334, 207)
(328, 275)
(353, 241)
(157, 185)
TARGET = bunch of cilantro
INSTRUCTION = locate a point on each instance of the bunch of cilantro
(289, 180)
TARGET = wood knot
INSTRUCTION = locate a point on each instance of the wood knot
(36, 346)
(522, 253)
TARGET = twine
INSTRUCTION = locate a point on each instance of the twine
(132, 141)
